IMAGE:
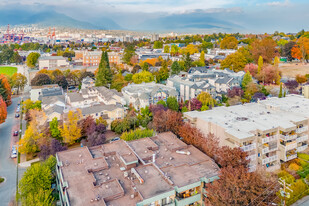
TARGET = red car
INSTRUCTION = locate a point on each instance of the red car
(15, 133)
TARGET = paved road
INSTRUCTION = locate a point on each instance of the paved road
(7, 165)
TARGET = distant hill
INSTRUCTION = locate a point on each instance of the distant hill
(51, 18)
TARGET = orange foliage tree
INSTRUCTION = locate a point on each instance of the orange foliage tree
(296, 53)
(301, 79)
(5, 90)
(265, 48)
(3, 111)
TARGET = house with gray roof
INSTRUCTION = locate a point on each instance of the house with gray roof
(87, 82)
(145, 94)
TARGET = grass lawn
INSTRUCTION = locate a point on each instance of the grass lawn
(8, 70)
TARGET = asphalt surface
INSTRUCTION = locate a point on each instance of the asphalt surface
(7, 165)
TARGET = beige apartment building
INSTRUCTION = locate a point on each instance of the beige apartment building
(93, 58)
(271, 131)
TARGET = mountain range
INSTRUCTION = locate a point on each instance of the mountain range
(185, 22)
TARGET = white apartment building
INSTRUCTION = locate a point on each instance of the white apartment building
(52, 62)
(271, 131)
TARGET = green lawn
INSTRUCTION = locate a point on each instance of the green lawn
(8, 70)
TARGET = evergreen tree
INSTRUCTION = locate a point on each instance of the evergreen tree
(175, 68)
(104, 75)
(280, 92)
(284, 93)
(188, 61)
(260, 64)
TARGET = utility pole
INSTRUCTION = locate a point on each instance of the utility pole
(283, 191)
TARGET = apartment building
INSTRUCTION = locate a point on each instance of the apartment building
(88, 58)
(160, 170)
(52, 62)
(269, 134)
(114, 57)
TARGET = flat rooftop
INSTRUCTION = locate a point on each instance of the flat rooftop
(124, 173)
(243, 121)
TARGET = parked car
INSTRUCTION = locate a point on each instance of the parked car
(14, 151)
(114, 139)
(16, 115)
(15, 133)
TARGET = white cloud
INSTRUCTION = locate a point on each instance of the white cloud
(279, 3)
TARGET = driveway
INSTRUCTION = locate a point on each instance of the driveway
(7, 165)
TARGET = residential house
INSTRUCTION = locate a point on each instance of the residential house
(160, 170)
(52, 62)
(145, 94)
(87, 82)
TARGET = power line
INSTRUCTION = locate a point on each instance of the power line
(262, 193)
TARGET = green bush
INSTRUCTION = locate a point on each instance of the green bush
(286, 176)
(136, 134)
(1, 179)
(303, 156)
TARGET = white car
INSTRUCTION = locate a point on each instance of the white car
(14, 151)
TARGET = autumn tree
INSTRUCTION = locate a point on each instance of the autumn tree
(128, 54)
(269, 75)
(96, 134)
(265, 48)
(3, 110)
(286, 50)
(166, 120)
(235, 62)
(260, 64)
(5, 90)
(235, 91)
(158, 45)
(229, 42)
(237, 186)
(41, 79)
(143, 76)
(291, 85)
(70, 130)
(166, 49)
(202, 58)
(246, 80)
(253, 69)
(32, 59)
(206, 99)
(18, 81)
(303, 43)
(301, 79)
(85, 124)
(296, 53)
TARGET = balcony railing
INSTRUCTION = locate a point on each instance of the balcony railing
(302, 138)
(290, 146)
(269, 159)
(251, 157)
(188, 200)
(301, 130)
(288, 137)
(267, 149)
(249, 147)
(269, 139)
(302, 148)
(291, 157)
(252, 168)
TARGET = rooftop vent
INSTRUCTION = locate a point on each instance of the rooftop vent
(183, 152)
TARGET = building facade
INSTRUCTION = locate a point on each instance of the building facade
(52, 62)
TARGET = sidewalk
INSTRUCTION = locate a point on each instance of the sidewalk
(28, 163)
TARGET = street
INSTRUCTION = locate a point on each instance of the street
(7, 165)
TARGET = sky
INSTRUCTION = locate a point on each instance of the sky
(250, 15)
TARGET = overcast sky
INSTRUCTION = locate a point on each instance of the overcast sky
(253, 15)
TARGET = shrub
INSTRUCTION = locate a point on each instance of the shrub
(303, 156)
(1, 179)
(295, 167)
(136, 134)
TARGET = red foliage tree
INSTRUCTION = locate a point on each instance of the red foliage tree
(265, 48)
(5, 90)
(237, 186)
(169, 120)
(85, 125)
(231, 157)
(3, 110)
(235, 91)
(252, 68)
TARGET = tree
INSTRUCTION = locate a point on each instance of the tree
(85, 124)
(202, 58)
(40, 198)
(54, 128)
(136, 68)
(95, 134)
(229, 42)
(158, 45)
(286, 50)
(296, 53)
(280, 91)
(56, 146)
(303, 43)
(246, 80)
(32, 59)
(235, 91)
(70, 130)
(291, 84)
(168, 120)
(41, 79)
(206, 45)
(128, 53)
(187, 61)
(143, 76)
(250, 90)
(166, 49)
(172, 103)
(119, 82)
(265, 48)
(237, 186)
(206, 99)
(233, 157)
(145, 66)
(104, 75)
(62, 82)
(301, 79)
(235, 62)
(3, 110)
(163, 72)
(260, 64)
(162, 102)
(269, 75)
(175, 68)
(258, 96)
(18, 81)
(5, 90)
(276, 61)
(174, 50)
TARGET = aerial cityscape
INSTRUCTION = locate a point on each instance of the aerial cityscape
(154, 103)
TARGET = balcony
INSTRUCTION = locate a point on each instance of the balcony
(301, 130)
(289, 146)
(269, 139)
(302, 148)
(269, 149)
(252, 168)
(291, 157)
(269, 159)
(187, 201)
(288, 137)
(251, 157)
(249, 147)
(302, 138)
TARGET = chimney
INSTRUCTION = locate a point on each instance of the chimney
(153, 158)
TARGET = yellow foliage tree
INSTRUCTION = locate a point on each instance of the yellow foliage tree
(70, 130)
(192, 49)
(206, 99)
